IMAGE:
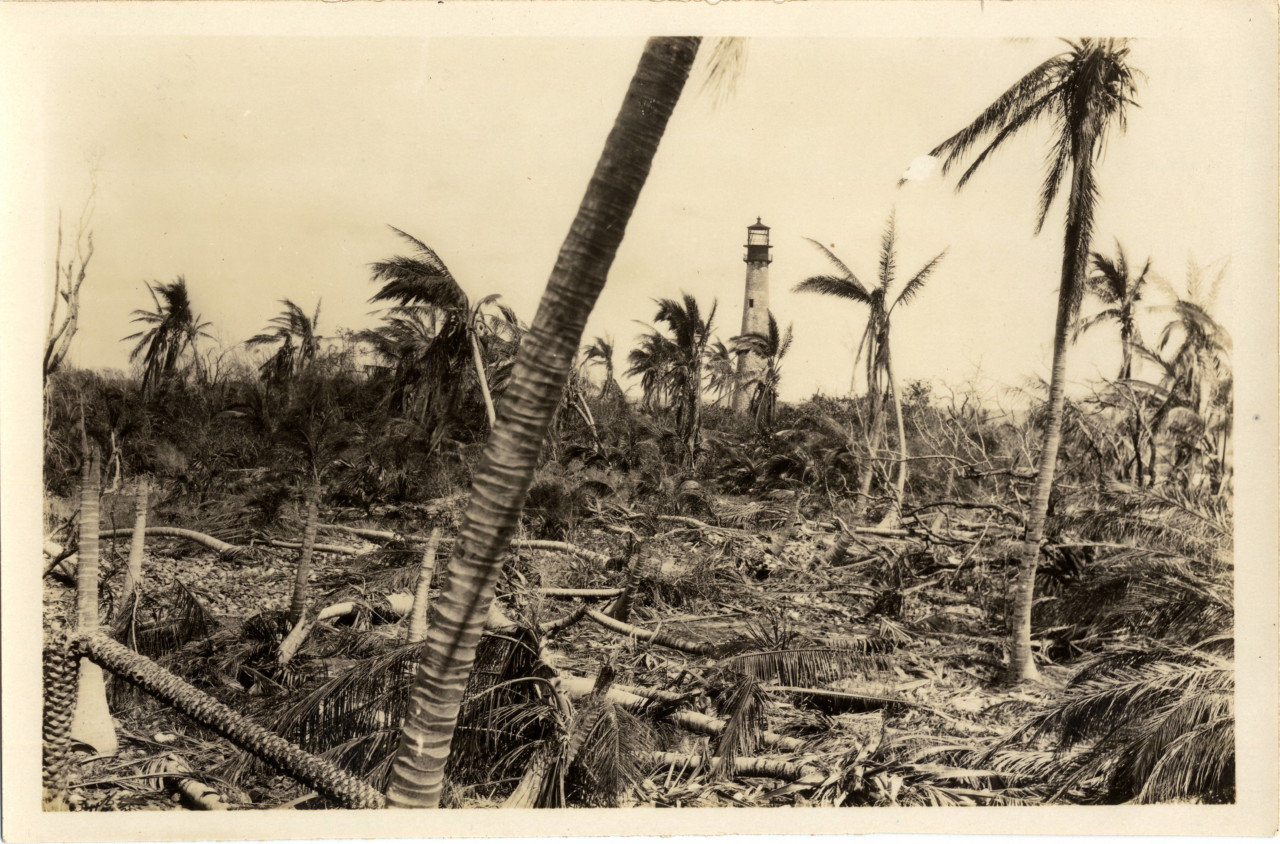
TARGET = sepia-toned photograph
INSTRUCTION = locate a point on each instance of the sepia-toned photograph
(593, 417)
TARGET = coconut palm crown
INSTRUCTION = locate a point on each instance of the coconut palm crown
(299, 342)
(175, 329)
(1119, 290)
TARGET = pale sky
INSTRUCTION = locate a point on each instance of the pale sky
(265, 168)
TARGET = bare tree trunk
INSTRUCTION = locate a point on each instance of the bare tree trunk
(901, 484)
(133, 571)
(301, 582)
(506, 470)
(421, 595)
(484, 381)
(1022, 666)
(91, 723)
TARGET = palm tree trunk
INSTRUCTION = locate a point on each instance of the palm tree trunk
(91, 723)
(421, 600)
(301, 582)
(510, 458)
(133, 571)
(901, 483)
(1022, 665)
(873, 451)
(490, 414)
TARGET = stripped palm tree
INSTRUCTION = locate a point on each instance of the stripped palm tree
(843, 284)
(510, 459)
(175, 330)
(1119, 290)
(769, 348)
(299, 342)
(1084, 91)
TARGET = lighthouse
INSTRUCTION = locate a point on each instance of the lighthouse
(755, 307)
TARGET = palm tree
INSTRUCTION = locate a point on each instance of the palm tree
(1119, 291)
(423, 280)
(505, 473)
(1196, 370)
(299, 342)
(875, 342)
(770, 348)
(691, 334)
(600, 352)
(1083, 90)
(721, 367)
(175, 329)
(652, 361)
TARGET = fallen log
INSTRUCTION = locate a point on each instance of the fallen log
(519, 544)
(744, 766)
(556, 592)
(180, 533)
(873, 701)
(327, 549)
(656, 637)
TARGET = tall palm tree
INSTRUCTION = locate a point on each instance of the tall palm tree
(299, 342)
(423, 280)
(507, 467)
(1084, 91)
(1119, 290)
(175, 329)
(770, 348)
(843, 284)
(677, 361)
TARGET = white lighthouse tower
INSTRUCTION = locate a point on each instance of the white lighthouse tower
(755, 307)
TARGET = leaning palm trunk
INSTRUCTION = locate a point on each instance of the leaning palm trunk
(320, 774)
(133, 571)
(507, 467)
(1022, 665)
(901, 484)
(873, 450)
(301, 583)
(421, 595)
(484, 381)
(91, 723)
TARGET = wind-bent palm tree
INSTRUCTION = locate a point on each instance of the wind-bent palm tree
(175, 329)
(1119, 290)
(652, 361)
(721, 365)
(676, 363)
(1084, 91)
(770, 348)
(506, 470)
(1193, 352)
(874, 343)
(299, 342)
(423, 280)
(600, 352)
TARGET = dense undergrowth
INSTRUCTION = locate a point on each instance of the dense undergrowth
(780, 652)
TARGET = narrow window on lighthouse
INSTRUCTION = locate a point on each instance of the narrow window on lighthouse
(751, 303)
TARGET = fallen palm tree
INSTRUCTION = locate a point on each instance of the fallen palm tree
(321, 775)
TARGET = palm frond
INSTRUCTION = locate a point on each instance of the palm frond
(917, 282)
